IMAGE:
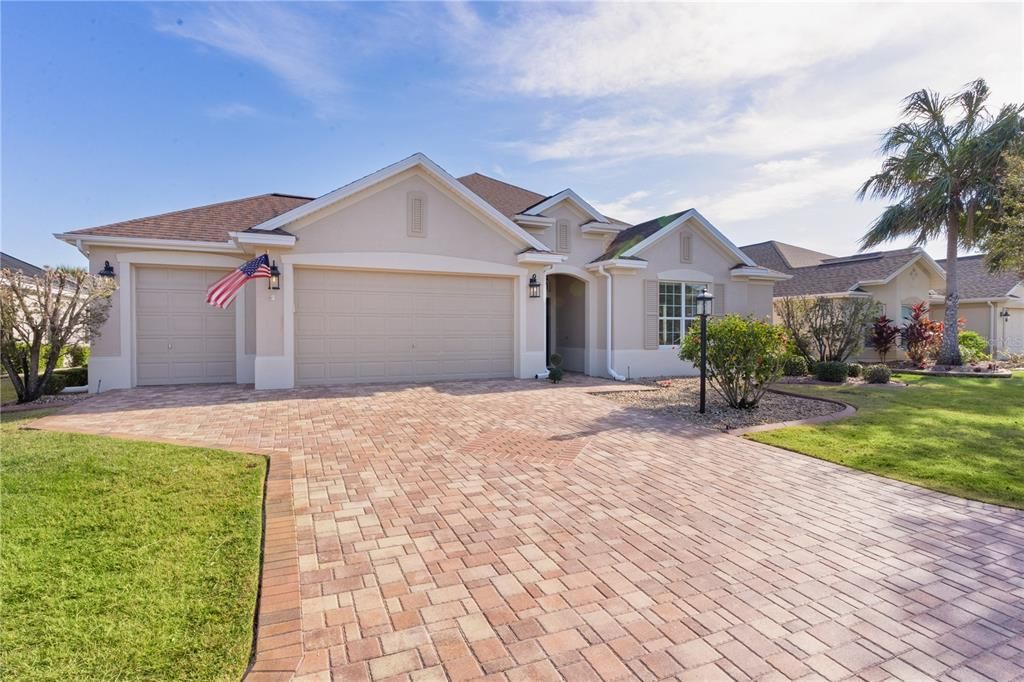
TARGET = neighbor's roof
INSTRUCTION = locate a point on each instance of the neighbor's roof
(831, 275)
(975, 281)
(12, 263)
(632, 236)
(209, 223)
(508, 199)
(781, 256)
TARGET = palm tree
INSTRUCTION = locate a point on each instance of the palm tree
(944, 177)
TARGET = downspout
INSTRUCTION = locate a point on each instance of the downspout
(991, 328)
(608, 324)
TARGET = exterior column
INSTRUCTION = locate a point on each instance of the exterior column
(534, 337)
(273, 366)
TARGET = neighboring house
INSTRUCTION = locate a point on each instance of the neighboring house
(896, 279)
(409, 274)
(11, 263)
(991, 304)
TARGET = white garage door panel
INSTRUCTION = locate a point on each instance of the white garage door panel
(180, 339)
(375, 326)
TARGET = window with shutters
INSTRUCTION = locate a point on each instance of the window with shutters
(562, 236)
(417, 215)
(677, 309)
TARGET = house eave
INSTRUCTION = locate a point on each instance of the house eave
(535, 258)
(595, 227)
(758, 274)
(83, 241)
(619, 263)
(263, 239)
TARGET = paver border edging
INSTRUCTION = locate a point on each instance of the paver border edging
(847, 411)
(277, 635)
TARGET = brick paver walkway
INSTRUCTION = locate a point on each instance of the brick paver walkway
(534, 532)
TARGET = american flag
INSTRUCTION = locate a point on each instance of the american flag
(222, 292)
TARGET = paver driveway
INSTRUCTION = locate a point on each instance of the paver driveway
(531, 531)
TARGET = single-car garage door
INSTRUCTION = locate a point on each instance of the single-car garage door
(353, 325)
(179, 338)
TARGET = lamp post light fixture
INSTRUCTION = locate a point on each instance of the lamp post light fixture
(704, 308)
(274, 281)
(107, 271)
(534, 287)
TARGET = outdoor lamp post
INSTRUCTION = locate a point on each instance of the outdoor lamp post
(704, 308)
(1006, 319)
(274, 281)
(534, 287)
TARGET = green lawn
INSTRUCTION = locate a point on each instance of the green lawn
(959, 436)
(125, 560)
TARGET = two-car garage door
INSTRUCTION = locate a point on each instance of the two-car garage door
(353, 326)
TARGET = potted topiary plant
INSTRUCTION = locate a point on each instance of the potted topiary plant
(555, 371)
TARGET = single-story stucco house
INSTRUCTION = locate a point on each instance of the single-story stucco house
(409, 274)
(899, 279)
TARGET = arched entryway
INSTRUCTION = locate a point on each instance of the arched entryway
(567, 321)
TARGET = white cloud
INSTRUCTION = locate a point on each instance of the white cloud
(290, 44)
(232, 111)
(631, 208)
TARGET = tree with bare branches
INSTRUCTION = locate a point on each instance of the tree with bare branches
(826, 329)
(53, 309)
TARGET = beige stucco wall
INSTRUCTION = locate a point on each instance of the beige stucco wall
(710, 264)
(108, 342)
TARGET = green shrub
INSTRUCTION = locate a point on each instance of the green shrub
(78, 355)
(74, 376)
(835, 372)
(973, 347)
(877, 374)
(856, 369)
(794, 366)
(555, 371)
(745, 355)
(56, 384)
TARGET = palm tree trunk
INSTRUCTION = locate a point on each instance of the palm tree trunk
(949, 352)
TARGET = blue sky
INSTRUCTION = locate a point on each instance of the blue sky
(764, 117)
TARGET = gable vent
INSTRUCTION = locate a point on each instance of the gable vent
(562, 236)
(685, 247)
(417, 215)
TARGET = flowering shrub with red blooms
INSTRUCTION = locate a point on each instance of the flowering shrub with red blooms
(744, 356)
(883, 336)
(922, 335)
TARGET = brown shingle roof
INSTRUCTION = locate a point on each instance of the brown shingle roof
(975, 281)
(508, 199)
(832, 275)
(209, 223)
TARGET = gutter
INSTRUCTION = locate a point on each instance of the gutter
(608, 324)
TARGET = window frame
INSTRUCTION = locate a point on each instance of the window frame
(683, 318)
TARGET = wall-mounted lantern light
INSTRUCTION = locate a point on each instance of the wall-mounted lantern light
(107, 271)
(534, 287)
(1005, 315)
(274, 282)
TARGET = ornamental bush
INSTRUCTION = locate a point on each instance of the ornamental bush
(973, 346)
(877, 374)
(78, 355)
(835, 372)
(555, 371)
(856, 369)
(794, 366)
(745, 355)
(55, 384)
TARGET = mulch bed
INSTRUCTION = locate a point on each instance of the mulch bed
(680, 397)
(59, 400)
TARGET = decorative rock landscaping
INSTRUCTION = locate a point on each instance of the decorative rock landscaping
(679, 397)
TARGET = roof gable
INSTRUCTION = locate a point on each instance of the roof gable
(570, 196)
(16, 264)
(432, 170)
(632, 241)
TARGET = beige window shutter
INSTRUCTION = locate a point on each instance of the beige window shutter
(718, 302)
(685, 247)
(417, 215)
(650, 314)
(562, 236)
